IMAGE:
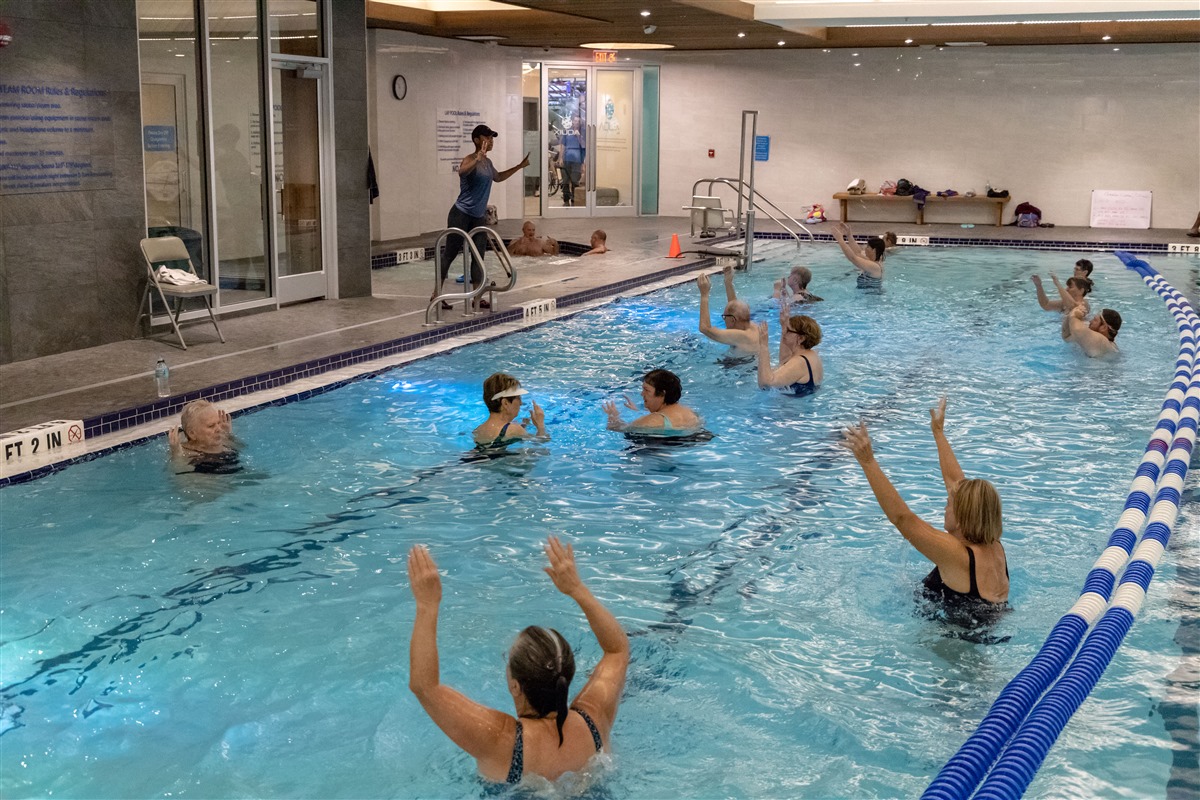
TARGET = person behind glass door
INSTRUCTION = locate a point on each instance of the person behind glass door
(475, 176)
(571, 152)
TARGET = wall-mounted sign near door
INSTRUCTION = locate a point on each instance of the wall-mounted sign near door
(399, 87)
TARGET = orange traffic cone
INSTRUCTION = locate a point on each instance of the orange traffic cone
(676, 251)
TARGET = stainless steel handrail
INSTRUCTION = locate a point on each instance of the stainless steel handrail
(735, 184)
(469, 253)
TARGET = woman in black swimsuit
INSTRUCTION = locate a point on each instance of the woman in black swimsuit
(547, 737)
(970, 562)
(502, 395)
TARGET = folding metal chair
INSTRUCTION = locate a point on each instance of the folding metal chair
(156, 251)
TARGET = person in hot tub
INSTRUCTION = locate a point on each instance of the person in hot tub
(530, 244)
(502, 395)
(661, 391)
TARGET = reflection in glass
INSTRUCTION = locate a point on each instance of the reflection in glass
(614, 137)
(297, 170)
(531, 132)
(295, 27)
(567, 113)
(237, 149)
(171, 136)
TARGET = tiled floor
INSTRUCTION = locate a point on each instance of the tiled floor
(115, 382)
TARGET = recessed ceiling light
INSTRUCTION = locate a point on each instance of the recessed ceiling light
(1105, 38)
(742, 35)
(908, 41)
(858, 65)
(645, 13)
(1116, 49)
(854, 54)
(781, 43)
(825, 51)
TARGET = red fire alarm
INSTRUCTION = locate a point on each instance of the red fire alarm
(712, 153)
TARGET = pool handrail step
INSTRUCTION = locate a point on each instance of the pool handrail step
(469, 252)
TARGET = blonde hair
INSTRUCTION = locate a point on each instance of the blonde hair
(807, 327)
(976, 505)
(191, 415)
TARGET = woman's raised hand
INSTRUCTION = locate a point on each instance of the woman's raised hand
(562, 567)
(858, 441)
(423, 576)
(537, 416)
(937, 417)
(763, 334)
(629, 403)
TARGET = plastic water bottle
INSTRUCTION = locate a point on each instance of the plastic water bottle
(162, 378)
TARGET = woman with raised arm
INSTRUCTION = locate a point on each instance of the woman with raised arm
(970, 564)
(800, 369)
(547, 737)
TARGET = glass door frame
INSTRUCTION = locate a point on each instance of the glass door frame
(590, 209)
(322, 283)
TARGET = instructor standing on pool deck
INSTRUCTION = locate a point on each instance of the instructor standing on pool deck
(475, 176)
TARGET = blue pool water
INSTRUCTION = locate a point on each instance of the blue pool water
(247, 636)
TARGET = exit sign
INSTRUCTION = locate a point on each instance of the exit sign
(604, 56)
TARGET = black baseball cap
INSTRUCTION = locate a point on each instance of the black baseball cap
(482, 130)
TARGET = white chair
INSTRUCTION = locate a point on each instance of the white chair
(156, 252)
(708, 215)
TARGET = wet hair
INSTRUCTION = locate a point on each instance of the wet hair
(803, 275)
(1084, 265)
(542, 664)
(877, 244)
(807, 327)
(740, 309)
(976, 505)
(666, 383)
(889, 239)
(496, 383)
(191, 413)
(1082, 284)
(601, 235)
(1113, 320)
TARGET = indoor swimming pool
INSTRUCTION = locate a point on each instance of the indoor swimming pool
(247, 635)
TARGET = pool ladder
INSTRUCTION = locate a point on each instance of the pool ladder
(433, 314)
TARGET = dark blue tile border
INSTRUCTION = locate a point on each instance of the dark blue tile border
(997, 241)
(169, 406)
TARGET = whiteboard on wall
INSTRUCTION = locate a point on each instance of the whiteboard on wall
(1120, 209)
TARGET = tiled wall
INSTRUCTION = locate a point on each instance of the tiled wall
(69, 264)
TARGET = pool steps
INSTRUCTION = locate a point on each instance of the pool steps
(1025, 732)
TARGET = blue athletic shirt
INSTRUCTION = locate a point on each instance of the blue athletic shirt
(474, 188)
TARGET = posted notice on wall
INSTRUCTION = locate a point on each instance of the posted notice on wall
(452, 136)
(1120, 209)
(54, 137)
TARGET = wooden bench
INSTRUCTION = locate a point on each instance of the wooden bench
(958, 200)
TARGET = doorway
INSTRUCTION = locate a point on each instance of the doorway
(592, 135)
(298, 112)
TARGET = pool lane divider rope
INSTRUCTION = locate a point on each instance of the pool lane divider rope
(1018, 731)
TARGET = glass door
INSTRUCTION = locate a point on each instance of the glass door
(591, 125)
(296, 92)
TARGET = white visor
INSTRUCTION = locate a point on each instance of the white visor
(510, 393)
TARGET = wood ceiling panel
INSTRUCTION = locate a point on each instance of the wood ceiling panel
(714, 25)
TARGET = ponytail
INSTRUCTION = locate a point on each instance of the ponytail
(542, 664)
(560, 692)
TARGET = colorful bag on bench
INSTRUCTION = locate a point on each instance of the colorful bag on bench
(888, 188)
(1028, 215)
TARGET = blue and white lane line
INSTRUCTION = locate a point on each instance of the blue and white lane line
(1025, 736)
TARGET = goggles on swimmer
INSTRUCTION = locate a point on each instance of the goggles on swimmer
(510, 393)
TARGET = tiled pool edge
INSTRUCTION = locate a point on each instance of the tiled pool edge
(112, 422)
